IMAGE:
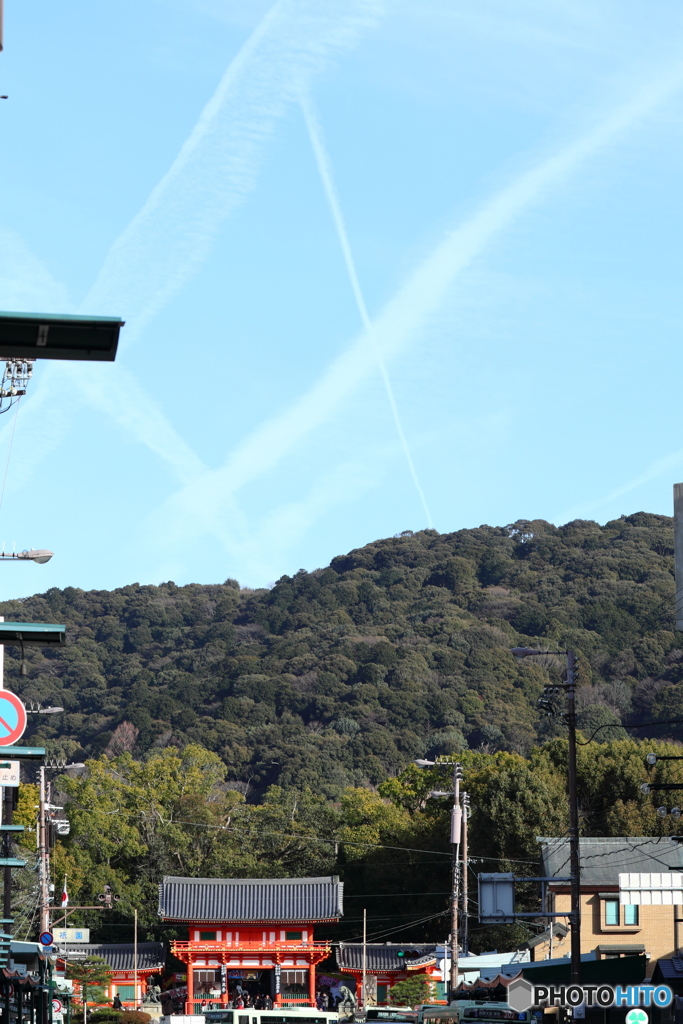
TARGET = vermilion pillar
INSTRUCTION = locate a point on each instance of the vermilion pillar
(277, 998)
(311, 983)
(190, 988)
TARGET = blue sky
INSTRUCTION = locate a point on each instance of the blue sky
(382, 265)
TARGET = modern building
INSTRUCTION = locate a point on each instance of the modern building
(607, 927)
(253, 934)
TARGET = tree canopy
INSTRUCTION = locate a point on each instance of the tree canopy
(231, 732)
(400, 649)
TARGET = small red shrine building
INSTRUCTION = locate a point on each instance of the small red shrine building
(127, 970)
(256, 934)
(385, 965)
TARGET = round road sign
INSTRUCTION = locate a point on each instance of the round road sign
(45, 938)
(12, 718)
(56, 1005)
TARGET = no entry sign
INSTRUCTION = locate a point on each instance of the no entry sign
(12, 718)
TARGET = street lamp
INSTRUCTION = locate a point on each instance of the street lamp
(39, 555)
(574, 862)
(36, 708)
(456, 831)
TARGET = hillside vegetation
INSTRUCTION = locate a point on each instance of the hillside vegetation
(341, 676)
(241, 733)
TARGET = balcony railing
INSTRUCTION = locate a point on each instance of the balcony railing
(219, 946)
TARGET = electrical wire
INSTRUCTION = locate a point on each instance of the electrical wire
(400, 928)
(614, 725)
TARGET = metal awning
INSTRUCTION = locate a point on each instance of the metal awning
(56, 336)
(628, 948)
(32, 634)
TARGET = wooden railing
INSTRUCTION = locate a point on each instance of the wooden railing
(253, 947)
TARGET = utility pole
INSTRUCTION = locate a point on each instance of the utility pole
(135, 961)
(546, 704)
(456, 834)
(464, 921)
(574, 861)
(365, 954)
(6, 802)
(456, 830)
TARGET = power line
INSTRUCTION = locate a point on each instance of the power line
(618, 725)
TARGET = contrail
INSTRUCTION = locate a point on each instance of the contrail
(665, 464)
(405, 314)
(217, 165)
(166, 241)
(324, 165)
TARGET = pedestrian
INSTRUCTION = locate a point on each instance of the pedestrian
(116, 1002)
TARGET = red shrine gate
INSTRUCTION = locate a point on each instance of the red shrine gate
(253, 935)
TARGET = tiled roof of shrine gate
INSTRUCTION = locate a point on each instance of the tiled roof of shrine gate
(121, 956)
(251, 899)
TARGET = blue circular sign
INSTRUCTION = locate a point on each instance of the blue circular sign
(12, 718)
(45, 938)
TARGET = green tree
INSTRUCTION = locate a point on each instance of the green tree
(92, 975)
(410, 992)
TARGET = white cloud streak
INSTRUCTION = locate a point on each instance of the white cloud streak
(656, 469)
(217, 166)
(402, 318)
(170, 237)
(324, 166)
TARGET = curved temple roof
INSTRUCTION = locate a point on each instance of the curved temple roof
(120, 956)
(381, 956)
(251, 899)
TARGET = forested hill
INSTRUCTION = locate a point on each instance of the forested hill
(396, 650)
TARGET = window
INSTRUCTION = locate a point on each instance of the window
(126, 993)
(631, 914)
(611, 912)
(293, 936)
(207, 936)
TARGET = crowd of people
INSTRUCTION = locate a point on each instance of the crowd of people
(244, 1000)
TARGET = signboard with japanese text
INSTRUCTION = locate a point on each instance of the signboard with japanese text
(72, 934)
(9, 776)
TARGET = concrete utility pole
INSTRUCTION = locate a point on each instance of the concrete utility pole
(365, 955)
(135, 961)
(456, 834)
(546, 704)
(464, 923)
(456, 831)
(6, 799)
(574, 862)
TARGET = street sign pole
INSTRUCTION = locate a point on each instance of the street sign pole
(44, 878)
